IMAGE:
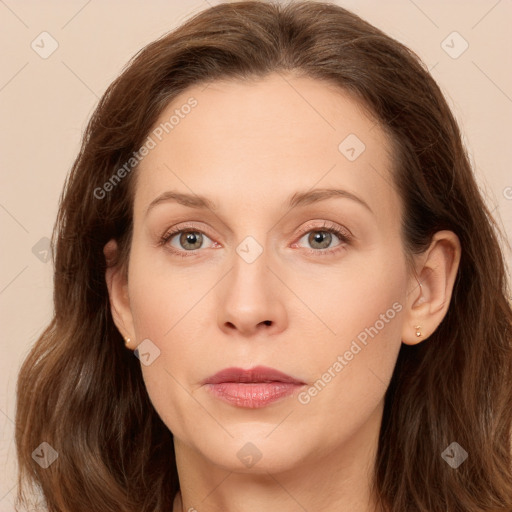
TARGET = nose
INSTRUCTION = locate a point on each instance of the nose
(250, 301)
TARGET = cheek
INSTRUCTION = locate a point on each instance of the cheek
(353, 370)
(168, 308)
(361, 297)
(162, 312)
(162, 293)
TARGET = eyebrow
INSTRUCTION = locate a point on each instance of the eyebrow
(321, 194)
(296, 200)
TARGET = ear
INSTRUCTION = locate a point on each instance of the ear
(117, 284)
(430, 290)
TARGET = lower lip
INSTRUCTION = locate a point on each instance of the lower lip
(252, 395)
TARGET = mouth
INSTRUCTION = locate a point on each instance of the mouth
(253, 388)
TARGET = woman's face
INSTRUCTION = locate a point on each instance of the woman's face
(261, 279)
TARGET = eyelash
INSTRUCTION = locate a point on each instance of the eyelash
(343, 234)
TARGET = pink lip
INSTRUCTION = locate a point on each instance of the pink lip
(253, 388)
(252, 375)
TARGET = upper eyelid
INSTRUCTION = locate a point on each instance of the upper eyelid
(326, 226)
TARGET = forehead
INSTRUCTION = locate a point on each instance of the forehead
(255, 142)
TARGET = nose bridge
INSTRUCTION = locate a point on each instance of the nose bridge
(249, 278)
(250, 299)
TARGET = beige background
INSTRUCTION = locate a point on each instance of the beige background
(45, 103)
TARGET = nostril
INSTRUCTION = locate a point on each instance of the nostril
(267, 322)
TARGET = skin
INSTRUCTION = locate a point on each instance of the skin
(248, 147)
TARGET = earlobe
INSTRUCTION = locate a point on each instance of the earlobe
(117, 286)
(431, 287)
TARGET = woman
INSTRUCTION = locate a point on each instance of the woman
(273, 207)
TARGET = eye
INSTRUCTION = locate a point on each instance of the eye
(185, 240)
(321, 238)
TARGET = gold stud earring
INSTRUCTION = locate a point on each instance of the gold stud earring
(418, 332)
(127, 341)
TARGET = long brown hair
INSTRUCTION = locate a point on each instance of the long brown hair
(81, 391)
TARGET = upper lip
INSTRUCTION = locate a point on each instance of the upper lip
(256, 374)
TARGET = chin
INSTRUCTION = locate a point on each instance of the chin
(252, 450)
